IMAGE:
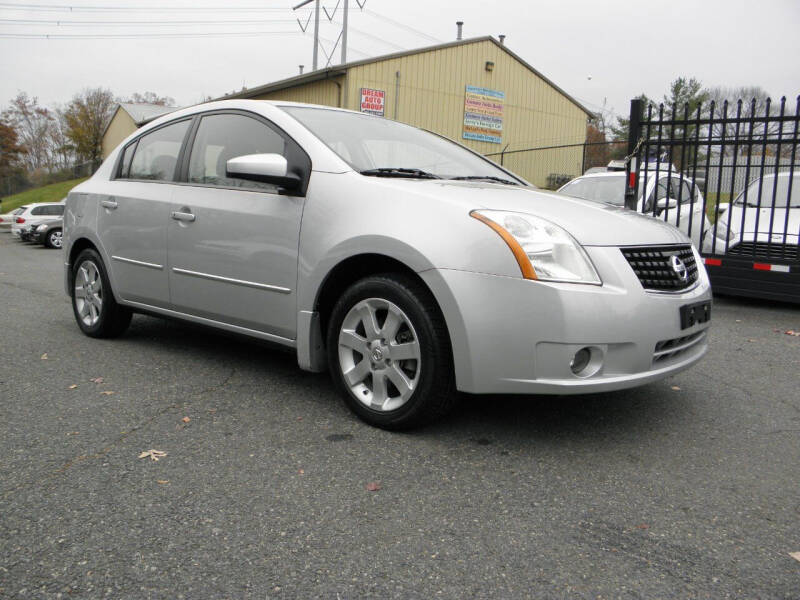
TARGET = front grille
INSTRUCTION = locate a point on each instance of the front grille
(653, 266)
(766, 251)
(667, 349)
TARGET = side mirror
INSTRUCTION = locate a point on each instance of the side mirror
(663, 203)
(267, 168)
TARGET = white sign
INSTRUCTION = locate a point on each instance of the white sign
(373, 101)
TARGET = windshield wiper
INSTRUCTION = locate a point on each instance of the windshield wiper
(399, 172)
(485, 178)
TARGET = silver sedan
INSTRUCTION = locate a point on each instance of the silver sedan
(409, 266)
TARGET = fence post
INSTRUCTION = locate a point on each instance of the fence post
(631, 164)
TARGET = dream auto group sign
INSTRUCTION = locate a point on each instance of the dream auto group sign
(373, 101)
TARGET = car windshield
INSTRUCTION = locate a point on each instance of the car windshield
(609, 189)
(769, 189)
(381, 147)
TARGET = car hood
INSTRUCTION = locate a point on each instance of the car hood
(591, 223)
(761, 225)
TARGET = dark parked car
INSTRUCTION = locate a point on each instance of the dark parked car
(48, 233)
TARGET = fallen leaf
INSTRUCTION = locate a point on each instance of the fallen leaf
(643, 526)
(212, 410)
(162, 481)
(73, 386)
(44, 356)
(795, 555)
(738, 320)
(299, 418)
(107, 393)
(751, 340)
(676, 388)
(153, 454)
(97, 380)
(185, 419)
(72, 433)
(300, 471)
(793, 333)
(373, 486)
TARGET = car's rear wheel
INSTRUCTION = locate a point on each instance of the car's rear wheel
(97, 313)
(53, 239)
(389, 352)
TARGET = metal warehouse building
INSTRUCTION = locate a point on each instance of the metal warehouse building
(475, 91)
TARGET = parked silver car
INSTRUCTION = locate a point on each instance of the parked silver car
(409, 265)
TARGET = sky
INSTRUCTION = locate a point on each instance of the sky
(603, 53)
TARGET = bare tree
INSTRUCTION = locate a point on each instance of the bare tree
(150, 98)
(86, 117)
(32, 123)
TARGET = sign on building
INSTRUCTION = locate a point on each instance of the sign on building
(483, 114)
(373, 101)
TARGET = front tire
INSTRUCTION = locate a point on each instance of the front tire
(97, 313)
(389, 353)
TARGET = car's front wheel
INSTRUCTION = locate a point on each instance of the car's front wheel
(389, 352)
(53, 239)
(97, 313)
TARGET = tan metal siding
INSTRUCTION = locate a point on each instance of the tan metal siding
(324, 92)
(120, 127)
(431, 96)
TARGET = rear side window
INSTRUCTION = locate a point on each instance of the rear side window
(156, 154)
(40, 210)
(225, 136)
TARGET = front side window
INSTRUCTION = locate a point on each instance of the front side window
(222, 137)
(39, 210)
(156, 154)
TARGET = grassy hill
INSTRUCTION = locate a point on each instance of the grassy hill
(48, 193)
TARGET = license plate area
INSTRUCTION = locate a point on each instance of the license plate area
(695, 314)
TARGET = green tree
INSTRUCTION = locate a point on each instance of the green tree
(86, 118)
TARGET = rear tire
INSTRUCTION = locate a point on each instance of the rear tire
(96, 311)
(53, 239)
(389, 353)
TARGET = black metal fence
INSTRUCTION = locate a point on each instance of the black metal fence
(22, 181)
(553, 166)
(726, 177)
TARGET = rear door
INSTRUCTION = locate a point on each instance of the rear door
(233, 243)
(134, 212)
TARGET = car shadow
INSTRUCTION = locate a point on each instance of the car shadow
(483, 419)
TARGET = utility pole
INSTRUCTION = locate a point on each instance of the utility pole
(316, 29)
(344, 33)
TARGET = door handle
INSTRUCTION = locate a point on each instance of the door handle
(110, 204)
(182, 216)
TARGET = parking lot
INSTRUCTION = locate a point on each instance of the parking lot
(682, 488)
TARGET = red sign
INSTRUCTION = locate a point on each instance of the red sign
(373, 101)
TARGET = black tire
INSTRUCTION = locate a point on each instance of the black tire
(434, 393)
(113, 319)
(53, 238)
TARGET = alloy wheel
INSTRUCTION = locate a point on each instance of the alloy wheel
(56, 239)
(88, 293)
(379, 354)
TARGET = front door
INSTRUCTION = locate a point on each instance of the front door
(233, 243)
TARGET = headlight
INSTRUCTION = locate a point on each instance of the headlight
(543, 249)
(41, 228)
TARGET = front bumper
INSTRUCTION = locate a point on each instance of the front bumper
(512, 335)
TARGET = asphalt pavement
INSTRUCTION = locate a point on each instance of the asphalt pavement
(688, 487)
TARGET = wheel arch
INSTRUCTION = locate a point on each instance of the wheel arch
(313, 324)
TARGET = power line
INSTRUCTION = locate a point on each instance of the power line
(152, 8)
(87, 36)
(61, 23)
(402, 25)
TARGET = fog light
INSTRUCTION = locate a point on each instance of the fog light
(581, 360)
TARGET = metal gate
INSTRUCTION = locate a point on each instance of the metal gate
(726, 177)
